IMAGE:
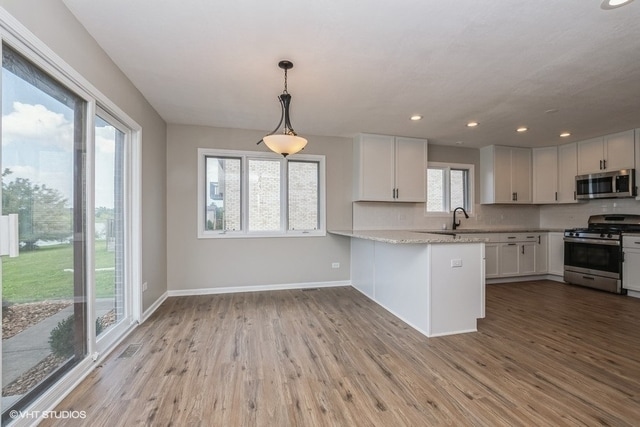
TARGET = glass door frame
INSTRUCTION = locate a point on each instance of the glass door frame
(106, 340)
(27, 44)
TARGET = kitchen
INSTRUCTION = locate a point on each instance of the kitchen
(203, 267)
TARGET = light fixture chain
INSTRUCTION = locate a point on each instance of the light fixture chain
(285, 81)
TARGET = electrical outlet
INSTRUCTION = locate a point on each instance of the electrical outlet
(335, 265)
(144, 286)
(457, 262)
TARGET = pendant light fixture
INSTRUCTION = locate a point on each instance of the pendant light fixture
(287, 142)
(614, 4)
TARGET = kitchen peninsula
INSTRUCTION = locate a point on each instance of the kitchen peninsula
(432, 281)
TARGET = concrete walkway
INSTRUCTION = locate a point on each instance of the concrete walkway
(28, 348)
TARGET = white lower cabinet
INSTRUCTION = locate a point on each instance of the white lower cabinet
(542, 253)
(491, 260)
(491, 252)
(509, 262)
(518, 254)
(631, 264)
(527, 258)
(514, 254)
(556, 253)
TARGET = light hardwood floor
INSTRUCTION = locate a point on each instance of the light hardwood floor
(546, 354)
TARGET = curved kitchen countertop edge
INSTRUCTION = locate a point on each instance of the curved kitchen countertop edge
(433, 236)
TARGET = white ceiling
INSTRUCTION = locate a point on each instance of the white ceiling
(367, 65)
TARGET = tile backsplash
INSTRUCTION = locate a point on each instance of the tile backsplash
(577, 215)
(412, 216)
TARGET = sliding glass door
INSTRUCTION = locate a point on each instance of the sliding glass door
(112, 297)
(66, 169)
(44, 309)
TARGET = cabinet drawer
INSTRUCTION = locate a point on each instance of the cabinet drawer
(485, 237)
(520, 237)
(629, 242)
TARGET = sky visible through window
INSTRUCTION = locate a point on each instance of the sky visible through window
(37, 135)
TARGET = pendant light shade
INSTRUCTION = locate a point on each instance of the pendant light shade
(286, 142)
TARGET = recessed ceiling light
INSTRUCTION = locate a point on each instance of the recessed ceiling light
(551, 111)
(612, 4)
(416, 117)
(522, 129)
(459, 142)
(472, 124)
(564, 134)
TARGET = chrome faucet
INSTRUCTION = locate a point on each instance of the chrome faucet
(456, 224)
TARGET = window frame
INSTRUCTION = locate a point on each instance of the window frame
(246, 156)
(470, 184)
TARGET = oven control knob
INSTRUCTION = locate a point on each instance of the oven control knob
(609, 235)
(602, 235)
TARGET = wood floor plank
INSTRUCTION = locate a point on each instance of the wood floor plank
(546, 354)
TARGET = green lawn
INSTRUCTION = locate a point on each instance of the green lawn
(40, 274)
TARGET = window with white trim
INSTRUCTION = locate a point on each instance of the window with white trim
(256, 194)
(449, 185)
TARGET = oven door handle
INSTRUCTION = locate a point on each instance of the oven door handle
(592, 241)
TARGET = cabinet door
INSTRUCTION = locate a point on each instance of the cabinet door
(491, 260)
(619, 151)
(502, 175)
(545, 175)
(567, 171)
(556, 254)
(590, 156)
(527, 261)
(542, 248)
(521, 174)
(631, 270)
(411, 169)
(509, 256)
(376, 176)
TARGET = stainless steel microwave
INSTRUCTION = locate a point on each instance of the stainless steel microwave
(606, 185)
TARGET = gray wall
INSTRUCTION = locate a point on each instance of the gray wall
(217, 263)
(53, 24)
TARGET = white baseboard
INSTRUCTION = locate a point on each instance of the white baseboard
(149, 311)
(525, 279)
(257, 288)
(634, 294)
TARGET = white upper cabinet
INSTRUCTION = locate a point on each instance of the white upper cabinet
(411, 169)
(389, 168)
(545, 175)
(608, 153)
(505, 174)
(554, 174)
(567, 171)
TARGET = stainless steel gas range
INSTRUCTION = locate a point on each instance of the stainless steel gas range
(593, 255)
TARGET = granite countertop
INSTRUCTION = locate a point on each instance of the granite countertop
(405, 236)
(507, 230)
(432, 236)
